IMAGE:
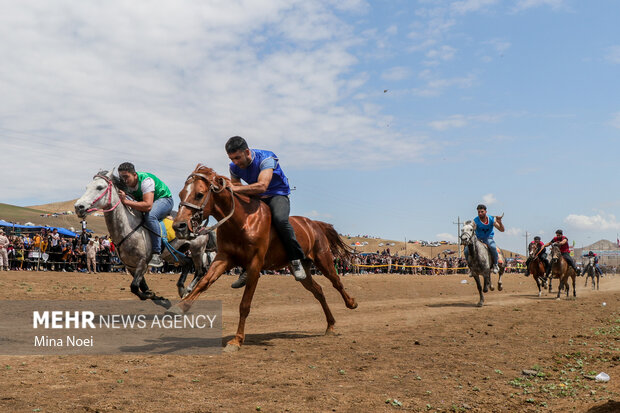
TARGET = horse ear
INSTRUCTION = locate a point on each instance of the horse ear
(109, 174)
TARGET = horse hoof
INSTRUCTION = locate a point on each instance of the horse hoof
(232, 348)
(480, 304)
(330, 332)
(164, 302)
(182, 292)
(485, 290)
(491, 288)
(352, 306)
(500, 288)
(174, 311)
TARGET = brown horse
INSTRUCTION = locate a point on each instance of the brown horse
(560, 269)
(537, 267)
(245, 238)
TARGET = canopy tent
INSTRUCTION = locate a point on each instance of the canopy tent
(20, 228)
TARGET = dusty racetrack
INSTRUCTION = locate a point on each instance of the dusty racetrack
(415, 343)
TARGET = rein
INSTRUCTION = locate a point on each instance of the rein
(108, 191)
(198, 216)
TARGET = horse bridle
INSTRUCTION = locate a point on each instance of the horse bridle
(108, 191)
(198, 215)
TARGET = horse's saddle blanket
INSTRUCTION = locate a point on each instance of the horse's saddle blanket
(500, 259)
(167, 232)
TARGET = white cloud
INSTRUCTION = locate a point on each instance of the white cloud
(317, 214)
(89, 85)
(528, 4)
(615, 121)
(455, 121)
(466, 6)
(436, 85)
(613, 54)
(514, 232)
(441, 54)
(599, 222)
(445, 236)
(459, 121)
(489, 199)
(396, 73)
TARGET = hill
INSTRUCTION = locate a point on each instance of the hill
(43, 215)
(55, 207)
(400, 248)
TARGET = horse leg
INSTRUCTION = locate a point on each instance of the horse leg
(315, 288)
(500, 285)
(486, 275)
(253, 271)
(574, 288)
(218, 267)
(477, 278)
(560, 288)
(324, 263)
(181, 281)
(537, 284)
(141, 289)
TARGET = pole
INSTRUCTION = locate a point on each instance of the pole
(526, 242)
(458, 234)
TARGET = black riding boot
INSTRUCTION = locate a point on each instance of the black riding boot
(243, 278)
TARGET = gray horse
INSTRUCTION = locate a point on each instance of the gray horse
(590, 271)
(132, 242)
(479, 260)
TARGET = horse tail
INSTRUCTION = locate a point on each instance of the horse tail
(337, 246)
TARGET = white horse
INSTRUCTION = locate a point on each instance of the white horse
(479, 260)
(133, 243)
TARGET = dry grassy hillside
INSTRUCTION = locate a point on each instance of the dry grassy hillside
(34, 214)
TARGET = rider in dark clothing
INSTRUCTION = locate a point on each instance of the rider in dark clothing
(542, 254)
(564, 249)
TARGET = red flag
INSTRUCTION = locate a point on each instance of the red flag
(618, 241)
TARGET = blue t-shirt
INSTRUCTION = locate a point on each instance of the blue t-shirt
(262, 160)
(484, 231)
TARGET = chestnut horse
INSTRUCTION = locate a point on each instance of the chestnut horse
(245, 238)
(560, 269)
(537, 267)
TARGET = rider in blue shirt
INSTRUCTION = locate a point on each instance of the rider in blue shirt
(484, 231)
(261, 171)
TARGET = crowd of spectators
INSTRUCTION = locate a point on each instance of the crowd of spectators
(50, 251)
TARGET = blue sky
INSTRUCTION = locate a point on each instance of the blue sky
(391, 118)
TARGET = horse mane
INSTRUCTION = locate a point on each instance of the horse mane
(205, 170)
(116, 180)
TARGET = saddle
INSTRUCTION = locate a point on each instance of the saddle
(500, 256)
(167, 232)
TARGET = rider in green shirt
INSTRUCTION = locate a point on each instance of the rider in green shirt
(152, 197)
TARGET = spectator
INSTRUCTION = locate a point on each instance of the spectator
(4, 256)
(91, 256)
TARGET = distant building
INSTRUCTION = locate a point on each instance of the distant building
(607, 252)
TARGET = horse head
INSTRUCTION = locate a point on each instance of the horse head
(468, 232)
(555, 252)
(101, 193)
(532, 250)
(197, 202)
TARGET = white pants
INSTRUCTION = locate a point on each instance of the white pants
(4, 258)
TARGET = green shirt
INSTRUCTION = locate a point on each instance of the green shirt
(161, 189)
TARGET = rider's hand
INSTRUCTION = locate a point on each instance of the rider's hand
(123, 196)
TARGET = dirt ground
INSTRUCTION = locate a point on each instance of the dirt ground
(415, 343)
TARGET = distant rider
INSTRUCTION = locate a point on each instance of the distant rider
(564, 249)
(484, 231)
(542, 254)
